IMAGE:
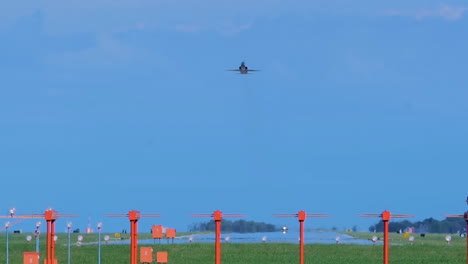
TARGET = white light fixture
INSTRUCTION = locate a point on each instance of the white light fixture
(69, 225)
(99, 225)
(106, 238)
(374, 239)
(38, 224)
(7, 224)
(448, 239)
(28, 238)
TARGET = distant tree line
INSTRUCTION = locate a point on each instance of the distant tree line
(238, 226)
(429, 225)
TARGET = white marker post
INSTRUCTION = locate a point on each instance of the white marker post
(69, 225)
(7, 225)
(99, 227)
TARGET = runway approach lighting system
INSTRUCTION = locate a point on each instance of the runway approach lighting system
(12, 215)
(465, 216)
(133, 216)
(386, 216)
(50, 216)
(217, 217)
(8, 225)
(301, 216)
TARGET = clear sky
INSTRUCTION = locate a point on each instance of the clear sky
(108, 106)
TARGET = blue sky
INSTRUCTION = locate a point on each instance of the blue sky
(109, 106)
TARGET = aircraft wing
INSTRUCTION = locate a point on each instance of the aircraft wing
(233, 70)
(253, 70)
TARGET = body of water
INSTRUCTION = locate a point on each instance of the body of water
(271, 237)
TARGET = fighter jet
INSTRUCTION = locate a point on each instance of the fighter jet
(243, 69)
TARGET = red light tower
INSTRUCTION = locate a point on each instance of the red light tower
(217, 217)
(50, 216)
(133, 216)
(386, 216)
(301, 216)
(465, 216)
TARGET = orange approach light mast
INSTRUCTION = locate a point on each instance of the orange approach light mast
(50, 216)
(133, 216)
(465, 216)
(301, 216)
(386, 216)
(217, 217)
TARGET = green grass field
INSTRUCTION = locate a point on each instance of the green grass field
(431, 249)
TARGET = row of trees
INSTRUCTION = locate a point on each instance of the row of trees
(238, 226)
(429, 225)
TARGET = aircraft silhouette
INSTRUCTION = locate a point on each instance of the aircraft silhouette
(243, 69)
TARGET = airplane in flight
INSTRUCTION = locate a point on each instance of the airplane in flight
(243, 69)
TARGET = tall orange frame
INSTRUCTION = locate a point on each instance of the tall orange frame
(465, 216)
(217, 217)
(301, 216)
(386, 216)
(50, 216)
(133, 217)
